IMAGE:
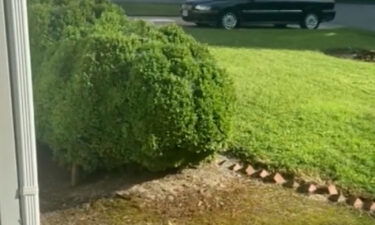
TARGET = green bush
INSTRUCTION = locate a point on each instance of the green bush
(51, 21)
(185, 109)
(81, 101)
(122, 91)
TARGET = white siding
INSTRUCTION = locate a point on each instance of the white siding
(19, 202)
(9, 203)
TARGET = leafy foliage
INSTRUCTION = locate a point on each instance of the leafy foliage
(51, 21)
(114, 91)
(186, 110)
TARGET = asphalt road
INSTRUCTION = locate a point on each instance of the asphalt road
(356, 15)
(348, 15)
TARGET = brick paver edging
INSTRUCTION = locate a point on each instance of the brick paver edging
(328, 190)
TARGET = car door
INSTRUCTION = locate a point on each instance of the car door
(290, 11)
(262, 11)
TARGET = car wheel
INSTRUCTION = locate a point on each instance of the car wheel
(229, 20)
(310, 21)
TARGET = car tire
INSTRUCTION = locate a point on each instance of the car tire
(229, 20)
(310, 21)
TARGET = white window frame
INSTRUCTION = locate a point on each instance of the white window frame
(19, 200)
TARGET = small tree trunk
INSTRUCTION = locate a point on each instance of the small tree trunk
(74, 175)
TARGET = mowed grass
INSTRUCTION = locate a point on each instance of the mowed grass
(298, 39)
(298, 109)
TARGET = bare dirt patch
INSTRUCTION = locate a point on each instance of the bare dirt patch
(207, 195)
(56, 192)
(191, 192)
(356, 54)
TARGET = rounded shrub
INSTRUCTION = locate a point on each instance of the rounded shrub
(80, 100)
(123, 92)
(51, 21)
(179, 103)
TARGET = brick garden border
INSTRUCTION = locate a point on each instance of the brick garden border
(329, 190)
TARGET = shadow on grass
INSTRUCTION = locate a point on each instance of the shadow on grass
(292, 39)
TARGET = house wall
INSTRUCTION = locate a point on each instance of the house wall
(19, 201)
(9, 203)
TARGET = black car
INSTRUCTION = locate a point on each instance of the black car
(231, 13)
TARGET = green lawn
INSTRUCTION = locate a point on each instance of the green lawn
(297, 39)
(299, 109)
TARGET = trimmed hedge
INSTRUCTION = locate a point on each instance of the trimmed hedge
(82, 113)
(186, 103)
(121, 91)
(51, 21)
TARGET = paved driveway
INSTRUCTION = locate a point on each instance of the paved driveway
(356, 15)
